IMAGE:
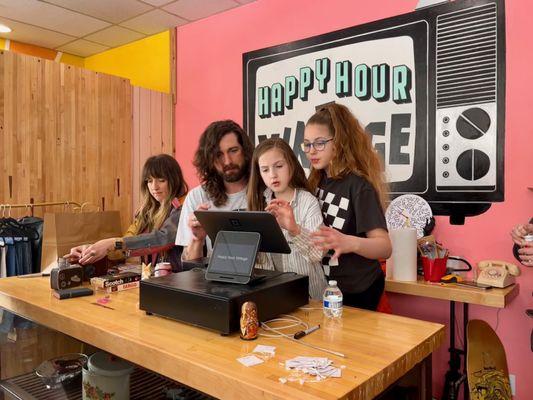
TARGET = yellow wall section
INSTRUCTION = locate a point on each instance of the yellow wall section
(72, 60)
(145, 63)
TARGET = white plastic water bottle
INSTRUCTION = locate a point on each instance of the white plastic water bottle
(332, 301)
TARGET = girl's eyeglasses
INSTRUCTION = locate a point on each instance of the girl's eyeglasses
(319, 145)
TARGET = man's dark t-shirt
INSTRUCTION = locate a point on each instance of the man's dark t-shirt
(351, 205)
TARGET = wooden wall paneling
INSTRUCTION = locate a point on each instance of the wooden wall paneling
(23, 110)
(136, 173)
(167, 129)
(144, 134)
(155, 122)
(145, 127)
(11, 98)
(65, 134)
(126, 189)
(120, 147)
(62, 122)
(94, 137)
(153, 131)
(2, 132)
(71, 84)
(105, 141)
(33, 139)
(4, 137)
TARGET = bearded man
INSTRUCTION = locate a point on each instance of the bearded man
(222, 161)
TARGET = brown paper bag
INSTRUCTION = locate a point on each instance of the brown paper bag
(65, 230)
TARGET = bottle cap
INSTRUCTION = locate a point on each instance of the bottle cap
(332, 283)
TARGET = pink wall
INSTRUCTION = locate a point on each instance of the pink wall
(209, 72)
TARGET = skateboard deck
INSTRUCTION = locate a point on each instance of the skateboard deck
(488, 376)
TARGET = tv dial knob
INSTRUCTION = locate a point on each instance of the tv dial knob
(473, 123)
(473, 164)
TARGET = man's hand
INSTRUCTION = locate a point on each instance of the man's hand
(196, 228)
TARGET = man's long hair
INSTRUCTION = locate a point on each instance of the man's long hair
(205, 157)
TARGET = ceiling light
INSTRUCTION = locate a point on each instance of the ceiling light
(4, 29)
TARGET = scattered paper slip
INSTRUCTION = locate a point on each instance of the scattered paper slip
(321, 367)
(261, 348)
(250, 361)
(307, 361)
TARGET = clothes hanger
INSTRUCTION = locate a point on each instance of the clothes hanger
(11, 227)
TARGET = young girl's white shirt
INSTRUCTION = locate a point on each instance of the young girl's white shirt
(305, 258)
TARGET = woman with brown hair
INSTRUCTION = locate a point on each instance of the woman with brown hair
(153, 230)
(347, 174)
(278, 185)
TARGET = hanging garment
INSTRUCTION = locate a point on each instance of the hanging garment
(36, 244)
(3, 254)
(23, 259)
(18, 238)
(11, 258)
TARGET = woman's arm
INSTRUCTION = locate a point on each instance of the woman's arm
(310, 221)
(375, 246)
(136, 245)
(158, 240)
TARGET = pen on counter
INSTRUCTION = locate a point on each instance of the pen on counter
(102, 305)
(301, 334)
(36, 275)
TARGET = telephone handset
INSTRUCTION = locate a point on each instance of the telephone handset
(497, 273)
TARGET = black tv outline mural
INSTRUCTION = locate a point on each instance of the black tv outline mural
(462, 45)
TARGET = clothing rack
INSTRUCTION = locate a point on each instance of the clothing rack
(4, 207)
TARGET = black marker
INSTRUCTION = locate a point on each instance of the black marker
(301, 334)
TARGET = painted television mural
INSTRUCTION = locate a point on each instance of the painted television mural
(428, 85)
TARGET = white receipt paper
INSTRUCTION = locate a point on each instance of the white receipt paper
(261, 348)
(318, 366)
(250, 361)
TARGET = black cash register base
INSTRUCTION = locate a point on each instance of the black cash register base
(189, 297)
(206, 298)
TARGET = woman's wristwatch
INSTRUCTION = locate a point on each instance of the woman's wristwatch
(121, 246)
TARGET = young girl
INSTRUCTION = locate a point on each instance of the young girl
(154, 229)
(278, 185)
(346, 174)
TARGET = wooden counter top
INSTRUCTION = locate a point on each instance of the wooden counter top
(380, 348)
(492, 297)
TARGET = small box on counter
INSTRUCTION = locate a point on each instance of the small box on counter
(123, 286)
(110, 280)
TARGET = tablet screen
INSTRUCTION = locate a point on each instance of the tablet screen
(234, 253)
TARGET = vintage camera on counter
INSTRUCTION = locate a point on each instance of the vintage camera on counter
(66, 276)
